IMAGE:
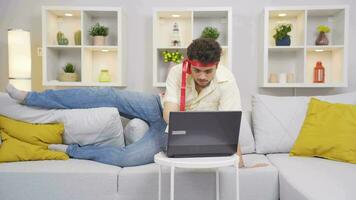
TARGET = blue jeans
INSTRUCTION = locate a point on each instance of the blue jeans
(130, 105)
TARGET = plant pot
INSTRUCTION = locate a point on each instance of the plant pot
(99, 40)
(170, 65)
(322, 39)
(284, 41)
(68, 77)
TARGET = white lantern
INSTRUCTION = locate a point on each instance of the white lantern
(19, 43)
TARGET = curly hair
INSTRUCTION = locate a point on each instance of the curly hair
(205, 50)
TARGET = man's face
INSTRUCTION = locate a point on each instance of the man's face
(203, 75)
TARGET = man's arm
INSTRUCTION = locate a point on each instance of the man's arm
(169, 107)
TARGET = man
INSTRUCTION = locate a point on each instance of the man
(209, 87)
(204, 84)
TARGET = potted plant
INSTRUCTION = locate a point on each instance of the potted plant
(68, 73)
(172, 58)
(99, 33)
(281, 36)
(210, 32)
(322, 39)
(61, 39)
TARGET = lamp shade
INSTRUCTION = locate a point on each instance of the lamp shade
(19, 44)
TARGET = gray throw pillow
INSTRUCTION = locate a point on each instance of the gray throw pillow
(135, 130)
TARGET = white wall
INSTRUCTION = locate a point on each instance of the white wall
(247, 39)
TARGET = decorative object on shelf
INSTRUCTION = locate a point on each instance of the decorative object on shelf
(322, 39)
(210, 32)
(290, 78)
(281, 36)
(282, 78)
(99, 33)
(273, 78)
(104, 76)
(319, 73)
(68, 74)
(172, 58)
(78, 37)
(175, 41)
(61, 39)
(19, 51)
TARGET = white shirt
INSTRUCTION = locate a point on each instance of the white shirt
(221, 94)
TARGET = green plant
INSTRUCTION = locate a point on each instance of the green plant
(210, 32)
(176, 56)
(282, 31)
(323, 28)
(69, 68)
(98, 30)
(61, 39)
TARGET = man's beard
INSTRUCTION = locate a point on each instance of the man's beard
(206, 84)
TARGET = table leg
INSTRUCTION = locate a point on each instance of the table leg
(172, 183)
(159, 182)
(237, 182)
(217, 184)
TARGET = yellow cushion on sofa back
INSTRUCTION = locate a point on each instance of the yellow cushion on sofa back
(36, 134)
(12, 150)
(329, 131)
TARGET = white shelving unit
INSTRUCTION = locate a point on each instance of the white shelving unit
(88, 59)
(301, 56)
(191, 22)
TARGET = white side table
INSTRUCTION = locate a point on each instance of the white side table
(196, 163)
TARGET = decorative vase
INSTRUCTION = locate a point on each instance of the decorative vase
(319, 73)
(99, 40)
(68, 77)
(104, 76)
(175, 38)
(78, 38)
(322, 39)
(284, 41)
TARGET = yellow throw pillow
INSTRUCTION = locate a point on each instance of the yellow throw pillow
(12, 150)
(329, 131)
(36, 134)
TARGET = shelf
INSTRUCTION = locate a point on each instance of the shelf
(56, 20)
(105, 18)
(298, 60)
(333, 18)
(165, 22)
(216, 19)
(294, 17)
(88, 59)
(191, 22)
(333, 62)
(57, 58)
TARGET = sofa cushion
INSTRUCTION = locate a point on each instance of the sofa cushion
(328, 131)
(13, 149)
(255, 183)
(58, 180)
(306, 178)
(278, 120)
(99, 126)
(134, 130)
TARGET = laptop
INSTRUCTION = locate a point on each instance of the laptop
(203, 134)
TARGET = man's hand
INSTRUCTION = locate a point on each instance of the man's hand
(169, 107)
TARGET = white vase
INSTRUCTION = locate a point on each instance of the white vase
(170, 65)
(68, 77)
(99, 40)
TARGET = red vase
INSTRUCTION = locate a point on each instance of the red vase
(319, 73)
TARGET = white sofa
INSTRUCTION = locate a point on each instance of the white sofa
(285, 178)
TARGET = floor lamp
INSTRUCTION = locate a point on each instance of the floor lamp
(19, 43)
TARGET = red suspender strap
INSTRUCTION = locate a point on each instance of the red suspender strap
(184, 84)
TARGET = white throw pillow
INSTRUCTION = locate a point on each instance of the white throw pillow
(246, 141)
(277, 120)
(98, 126)
(135, 130)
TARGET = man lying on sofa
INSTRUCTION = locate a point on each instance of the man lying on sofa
(208, 87)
